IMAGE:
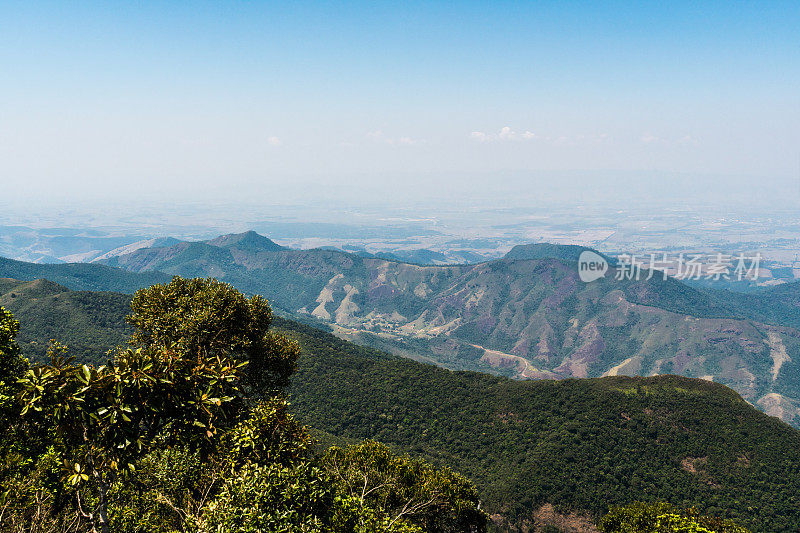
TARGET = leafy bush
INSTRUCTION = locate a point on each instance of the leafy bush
(402, 492)
(663, 518)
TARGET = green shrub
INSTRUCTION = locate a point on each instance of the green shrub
(661, 517)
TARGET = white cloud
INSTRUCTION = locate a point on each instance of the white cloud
(505, 134)
(274, 141)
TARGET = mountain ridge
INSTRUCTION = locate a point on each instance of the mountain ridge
(249, 240)
(81, 276)
(543, 250)
(524, 318)
(518, 316)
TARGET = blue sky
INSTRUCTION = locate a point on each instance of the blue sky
(241, 96)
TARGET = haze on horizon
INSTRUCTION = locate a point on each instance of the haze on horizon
(259, 101)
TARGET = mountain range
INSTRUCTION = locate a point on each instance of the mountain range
(527, 315)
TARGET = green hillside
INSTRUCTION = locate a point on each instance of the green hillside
(779, 305)
(90, 323)
(81, 276)
(578, 445)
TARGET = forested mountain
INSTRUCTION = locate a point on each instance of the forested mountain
(90, 323)
(527, 315)
(543, 250)
(778, 305)
(539, 451)
(579, 445)
(81, 276)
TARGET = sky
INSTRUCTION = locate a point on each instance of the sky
(259, 100)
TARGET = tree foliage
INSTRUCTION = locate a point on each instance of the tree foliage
(187, 429)
(661, 517)
(400, 492)
(208, 318)
(106, 418)
(184, 379)
(271, 478)
(12, 363)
